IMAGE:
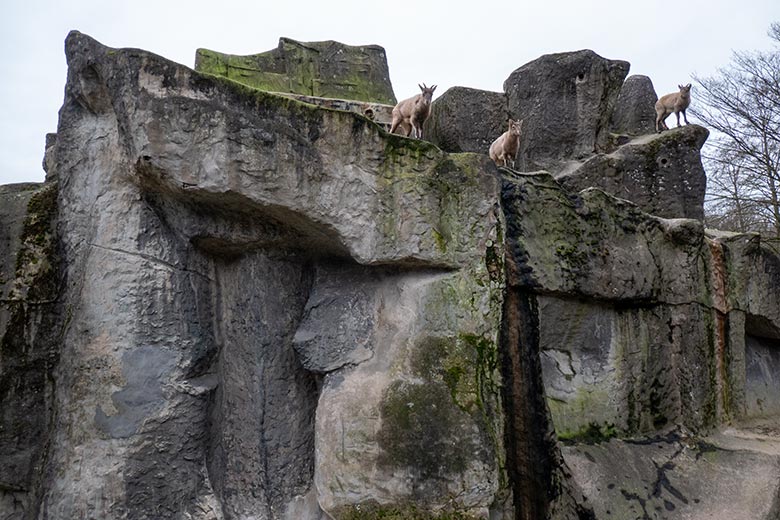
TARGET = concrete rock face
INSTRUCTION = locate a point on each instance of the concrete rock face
(325, 69)
(565, 101)
(466, 120)
(228, 304)
(635, 107)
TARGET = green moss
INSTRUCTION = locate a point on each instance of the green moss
(296, 111)
(36, 277)
(36, 274)
(374, 511)
(592, 433)
(421, 428)
(423, 422)
(587, 405)
(299, 69)
(441, 242)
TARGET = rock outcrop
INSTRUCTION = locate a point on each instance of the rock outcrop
(661, 173)
(226, 303)
(565, 101)
(662, 322)
(30, 330)
(466, 120)
(251, 280)
(634, 112)
(324, 69)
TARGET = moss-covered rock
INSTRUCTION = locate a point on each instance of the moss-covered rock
(374, 511)
(30, 337)
(327, 69)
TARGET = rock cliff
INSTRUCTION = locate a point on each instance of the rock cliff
(226, 303)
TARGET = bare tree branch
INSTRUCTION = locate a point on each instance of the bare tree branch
(741, 106)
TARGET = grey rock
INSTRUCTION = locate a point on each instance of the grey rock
(677, 477)
(762, 377)
(466, 120)
(661, 173)
(565, 101)
(324, 69)
(207, 352)
(30, 330)
(48, 156)
(253, 307)
(634, 112)
(339, 318)
(626, 328)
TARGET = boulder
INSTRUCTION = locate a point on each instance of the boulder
(566, 102)
(634, 112)
(323, 69)
(466, 120)
(661, 173)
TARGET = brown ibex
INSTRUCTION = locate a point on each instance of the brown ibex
(410, 114)
(505, 147)
(675, 102)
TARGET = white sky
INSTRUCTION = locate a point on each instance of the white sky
(448, 43)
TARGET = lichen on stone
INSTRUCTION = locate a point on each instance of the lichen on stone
(326, 69)
(35, 278)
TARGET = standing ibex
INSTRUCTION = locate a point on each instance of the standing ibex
(505, 147)
(676, 102)
(410, 114)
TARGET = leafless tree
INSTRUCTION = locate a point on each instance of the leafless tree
(741, 106)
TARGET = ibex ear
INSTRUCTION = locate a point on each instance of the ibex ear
(688, 86)
(421, 87)
(511, 121)
(680, 87)
(433, 88)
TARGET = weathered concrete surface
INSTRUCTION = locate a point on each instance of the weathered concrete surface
(244, 273)
(670, 302)
(566, 102)
(661, 173)
(634, 112)
(466, 120)
(326, 69)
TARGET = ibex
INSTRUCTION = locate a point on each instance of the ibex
(505, 147)
(676, 102)
(410, 114)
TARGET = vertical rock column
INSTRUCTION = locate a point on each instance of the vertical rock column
(128, 435)
(262, 433)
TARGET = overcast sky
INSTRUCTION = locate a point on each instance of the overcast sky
(474, 44)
